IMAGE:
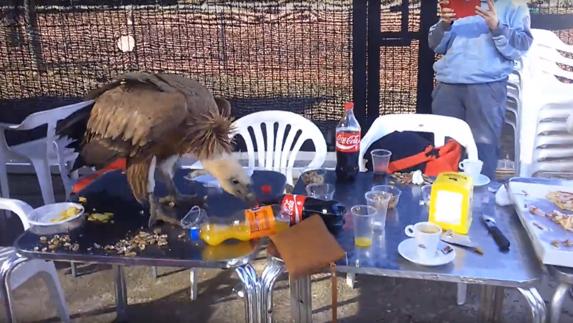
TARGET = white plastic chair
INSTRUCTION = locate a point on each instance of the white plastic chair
(279, 151)
(543, 91)
(41, 152)
(440, 126)
(15, 269)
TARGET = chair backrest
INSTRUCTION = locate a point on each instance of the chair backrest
(51, 118)
(285, 132)
(548, 38)
(440, 126)
(21, 209)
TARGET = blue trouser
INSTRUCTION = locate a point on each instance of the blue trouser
(482, 106)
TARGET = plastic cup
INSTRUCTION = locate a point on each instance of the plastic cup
(378, 200)
(426, 194)
(320, 191)
(392, 190)
(362, 221)
(380, 161)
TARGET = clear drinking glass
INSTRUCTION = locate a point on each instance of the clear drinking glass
(320, 191)
(362, 221)
(380, 161)
(426, 193)
(378, 200)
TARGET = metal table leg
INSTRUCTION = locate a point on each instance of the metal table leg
(536, 304)
(491, 303)
(557, 302)
(120, 293)
(272, 271)
(248, 277)
(301, 299)
(192, 284)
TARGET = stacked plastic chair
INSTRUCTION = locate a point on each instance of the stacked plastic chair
(546, 146)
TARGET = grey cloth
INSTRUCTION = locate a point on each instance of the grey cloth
(482, 106)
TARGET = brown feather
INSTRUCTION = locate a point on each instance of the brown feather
(137, 176)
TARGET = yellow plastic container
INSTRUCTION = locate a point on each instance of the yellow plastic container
(450, 202)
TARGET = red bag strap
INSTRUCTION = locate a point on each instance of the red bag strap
(411, 161)
(85, 181)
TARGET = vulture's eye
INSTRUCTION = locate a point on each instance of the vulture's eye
(235, 181)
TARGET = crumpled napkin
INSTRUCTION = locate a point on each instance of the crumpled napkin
(502, 197)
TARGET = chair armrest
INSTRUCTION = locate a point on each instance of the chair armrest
(22, 209)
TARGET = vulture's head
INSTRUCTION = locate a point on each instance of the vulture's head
(232, 177)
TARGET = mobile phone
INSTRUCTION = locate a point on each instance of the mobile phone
(463, 8)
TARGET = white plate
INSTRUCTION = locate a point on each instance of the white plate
(407, 249)
(43, 216)
(482, 180)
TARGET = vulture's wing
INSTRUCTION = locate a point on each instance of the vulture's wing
(129, 118)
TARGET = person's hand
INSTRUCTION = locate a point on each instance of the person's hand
(447, 15)
(489, 15)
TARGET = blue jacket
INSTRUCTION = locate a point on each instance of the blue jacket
(472, 53)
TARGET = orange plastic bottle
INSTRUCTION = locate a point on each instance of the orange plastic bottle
(254, 224)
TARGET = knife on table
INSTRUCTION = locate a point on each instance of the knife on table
(460, 241)
(498, 236)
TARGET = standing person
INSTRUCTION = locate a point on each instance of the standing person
(478, 55)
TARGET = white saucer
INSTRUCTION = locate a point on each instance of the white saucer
(482, 180)
(407, 249)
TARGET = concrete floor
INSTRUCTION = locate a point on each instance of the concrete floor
(166, 299)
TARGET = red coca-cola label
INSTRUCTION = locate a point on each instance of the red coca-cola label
(292, 205)
(348, 141)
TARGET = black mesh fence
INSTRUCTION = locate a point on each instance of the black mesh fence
(259, 54)
(555, 7)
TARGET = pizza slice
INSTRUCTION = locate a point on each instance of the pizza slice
(563, 200)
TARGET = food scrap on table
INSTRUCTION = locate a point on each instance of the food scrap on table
(140, 241)
(57, 241)
(565, 220)
(562, 243)
(105, 217)
(563, 200)
(410, 178)
(82, 199)
(66, 214)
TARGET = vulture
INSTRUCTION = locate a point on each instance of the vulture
(151, 120)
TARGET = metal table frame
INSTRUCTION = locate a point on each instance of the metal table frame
(565, 277)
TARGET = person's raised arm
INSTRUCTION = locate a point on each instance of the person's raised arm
(439, 34)
(511, 40)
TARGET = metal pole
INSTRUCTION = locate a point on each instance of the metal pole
(301, 299)
(491, 303)
(359, 46)
(120, 293)
(429, 16)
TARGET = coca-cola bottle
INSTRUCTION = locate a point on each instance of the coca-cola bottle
(300, 207)
(347, 144)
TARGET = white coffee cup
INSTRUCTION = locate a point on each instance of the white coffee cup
(472, 167)
(427, 237)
